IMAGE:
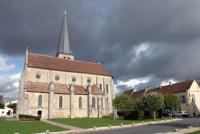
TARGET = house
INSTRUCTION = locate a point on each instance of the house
(6, 112)
(62, 87)
(187, 91)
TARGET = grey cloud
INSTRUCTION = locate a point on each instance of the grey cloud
(109, 32)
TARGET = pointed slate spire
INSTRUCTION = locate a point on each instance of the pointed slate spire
(63, 47)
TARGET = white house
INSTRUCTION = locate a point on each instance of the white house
(6, 112)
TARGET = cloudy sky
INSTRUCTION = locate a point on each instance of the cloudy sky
(140, 42)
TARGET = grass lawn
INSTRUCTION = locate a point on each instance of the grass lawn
(9, 127)
(91, 122)
(197, 132)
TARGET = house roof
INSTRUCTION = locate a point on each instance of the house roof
(58, 64)
(42, 87)
(173, 88)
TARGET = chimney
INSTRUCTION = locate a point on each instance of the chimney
(170, 83)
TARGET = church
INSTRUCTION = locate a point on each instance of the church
(62, 87)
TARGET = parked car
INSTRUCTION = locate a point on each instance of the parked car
(181, 114)
(167, 114)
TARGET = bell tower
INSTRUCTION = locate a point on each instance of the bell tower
(63, 47)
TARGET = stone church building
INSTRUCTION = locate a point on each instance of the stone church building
(62, 87)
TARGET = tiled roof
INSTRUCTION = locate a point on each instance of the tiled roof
(55, 63)
(42, 87)
(96, 90)
(173, 88)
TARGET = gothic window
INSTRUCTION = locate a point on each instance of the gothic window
(57, 77)
(88, 80)
(107, 88)
(60, 102)
(93, 102)
(80, 102)
(100, 86)
(73, 79)
(38, 76)
(39, 100)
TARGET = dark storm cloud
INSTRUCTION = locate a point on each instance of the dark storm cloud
(110, 31)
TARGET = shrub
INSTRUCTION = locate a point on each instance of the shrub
(23, 117)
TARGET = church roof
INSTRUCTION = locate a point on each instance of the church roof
(171, 89)
(58, 64)
(42, 87)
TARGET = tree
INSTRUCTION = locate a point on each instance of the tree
(2, 105)
(123, 103)
(152, 101)
(13, 106)
(171, 102)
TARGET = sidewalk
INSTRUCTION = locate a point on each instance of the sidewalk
(61, 125)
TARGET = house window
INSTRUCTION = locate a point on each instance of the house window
(100, 86)
(107, 88)
(93, 102)
(60, 102)
(39, 100)
(80, 102)
(193, 98)
(73, 79)
(38, 76)
(57, 77)
(182, 99)
(88, 80)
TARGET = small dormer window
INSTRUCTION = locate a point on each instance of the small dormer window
(57, 77)
(73, 79)
(38, 76)
(88, 80)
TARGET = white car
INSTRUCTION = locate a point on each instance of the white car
(181, 114)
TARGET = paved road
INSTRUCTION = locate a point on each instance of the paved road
(155, 129)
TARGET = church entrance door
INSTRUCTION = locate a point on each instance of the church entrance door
(39, 113)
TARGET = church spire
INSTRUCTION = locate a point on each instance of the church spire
(63, 47)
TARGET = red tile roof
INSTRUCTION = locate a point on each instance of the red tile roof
(42, 87)
(96, 90)
(55, 63)
(173, 88)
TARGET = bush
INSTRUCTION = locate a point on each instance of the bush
(23, 117)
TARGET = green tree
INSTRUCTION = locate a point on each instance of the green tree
(123, 103)
(13, 106)
(171, 102)
(2, 105)
(152, 101)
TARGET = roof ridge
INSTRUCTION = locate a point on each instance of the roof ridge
(64, 59)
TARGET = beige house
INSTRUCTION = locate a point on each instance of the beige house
(62, 87)
(187, 91)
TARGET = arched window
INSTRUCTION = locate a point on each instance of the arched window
(80, 102)
(60, 102)
(100, 86)
(39, 100)
(102, 102)
(107, 88)
(88, 80)
(57, 77)
(93, 102)
(73, 79)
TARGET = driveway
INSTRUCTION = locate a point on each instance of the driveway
(155, 129)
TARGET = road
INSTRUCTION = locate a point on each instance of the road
(156, 128)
